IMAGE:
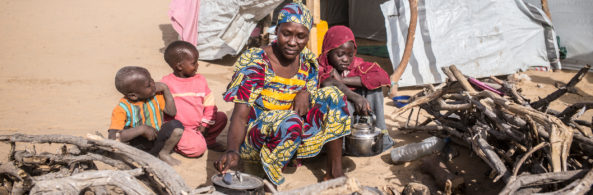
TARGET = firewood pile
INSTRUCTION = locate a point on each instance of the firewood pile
(72, 170)
(531, 148)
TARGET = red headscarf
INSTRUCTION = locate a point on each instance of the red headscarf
(334, 37)
(371, 74)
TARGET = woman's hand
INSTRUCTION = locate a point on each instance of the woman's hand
(301, 102)
(230, 159)
(362, 105)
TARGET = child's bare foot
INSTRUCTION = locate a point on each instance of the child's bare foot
(169, 159)
(217, 147)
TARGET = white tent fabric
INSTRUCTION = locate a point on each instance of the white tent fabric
(573, 21)
(225, 26)
(482, 38)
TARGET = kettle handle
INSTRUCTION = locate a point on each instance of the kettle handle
(373, 119)
(370, 119)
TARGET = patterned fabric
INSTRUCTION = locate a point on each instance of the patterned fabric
(131, 114)
(275, 132)
(297, 13)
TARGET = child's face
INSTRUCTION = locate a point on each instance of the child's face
(187, 68)
(340, 58)
(142, 88)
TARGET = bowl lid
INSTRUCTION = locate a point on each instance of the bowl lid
(249, 181)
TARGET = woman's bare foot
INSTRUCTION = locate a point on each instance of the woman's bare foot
(217, 147)
(169, 159)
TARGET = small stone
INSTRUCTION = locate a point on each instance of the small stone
(540, 86)
(227, 178)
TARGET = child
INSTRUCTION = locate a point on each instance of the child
(138, 118)
(194, 100)
(360, 81)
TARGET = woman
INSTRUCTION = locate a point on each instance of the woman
(279, 112)
(360, 81)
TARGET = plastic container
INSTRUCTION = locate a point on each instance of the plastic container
(414, 151)
(401, 101)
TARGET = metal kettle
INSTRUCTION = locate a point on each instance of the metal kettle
(365, 139)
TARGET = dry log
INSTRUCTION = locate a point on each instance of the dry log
(456, 96)
(541, 179)
(579, 186)
(422, 100)
(583, 122)
(556, 94)
(164, 174)
(496, 80)
(449, 74)
(441, 174)
(524, 157)
(491, 158)
(22, 180)
(500, 124)
(47, 158)
(511, 90)
(442, 105)
(76, 183)
(464, 83)
(571, 110)
(514, 120)
(63, 172)
(560, 134)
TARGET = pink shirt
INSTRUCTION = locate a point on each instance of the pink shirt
(193, 100)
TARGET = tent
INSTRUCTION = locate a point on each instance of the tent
(225, 26)
(482, 38)
(573, 21)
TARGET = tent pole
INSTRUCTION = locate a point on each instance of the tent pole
(546, 8)
(397, 73)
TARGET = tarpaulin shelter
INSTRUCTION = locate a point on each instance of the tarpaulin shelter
(482, 38)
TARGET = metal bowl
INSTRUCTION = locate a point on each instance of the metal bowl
(250, 184)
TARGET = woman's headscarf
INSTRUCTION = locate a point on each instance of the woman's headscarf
(335, 36)
(297, 13)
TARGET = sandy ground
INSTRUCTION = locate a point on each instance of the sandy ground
(59, 59)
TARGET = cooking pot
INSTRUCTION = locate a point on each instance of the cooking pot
(241, 183)
(365, 139)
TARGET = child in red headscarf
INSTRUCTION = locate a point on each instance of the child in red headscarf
(360, 81)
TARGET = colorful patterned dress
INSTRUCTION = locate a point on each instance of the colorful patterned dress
(274, 131)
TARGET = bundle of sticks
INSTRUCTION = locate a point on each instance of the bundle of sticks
(73, 168)
(528, 146)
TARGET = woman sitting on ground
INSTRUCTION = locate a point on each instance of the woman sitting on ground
(360, 81)
(279, 110)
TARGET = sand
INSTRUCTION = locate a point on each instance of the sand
(59, 59)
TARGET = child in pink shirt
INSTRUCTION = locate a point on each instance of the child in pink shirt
(194, 101)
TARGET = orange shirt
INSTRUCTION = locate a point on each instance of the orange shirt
(129, 114)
